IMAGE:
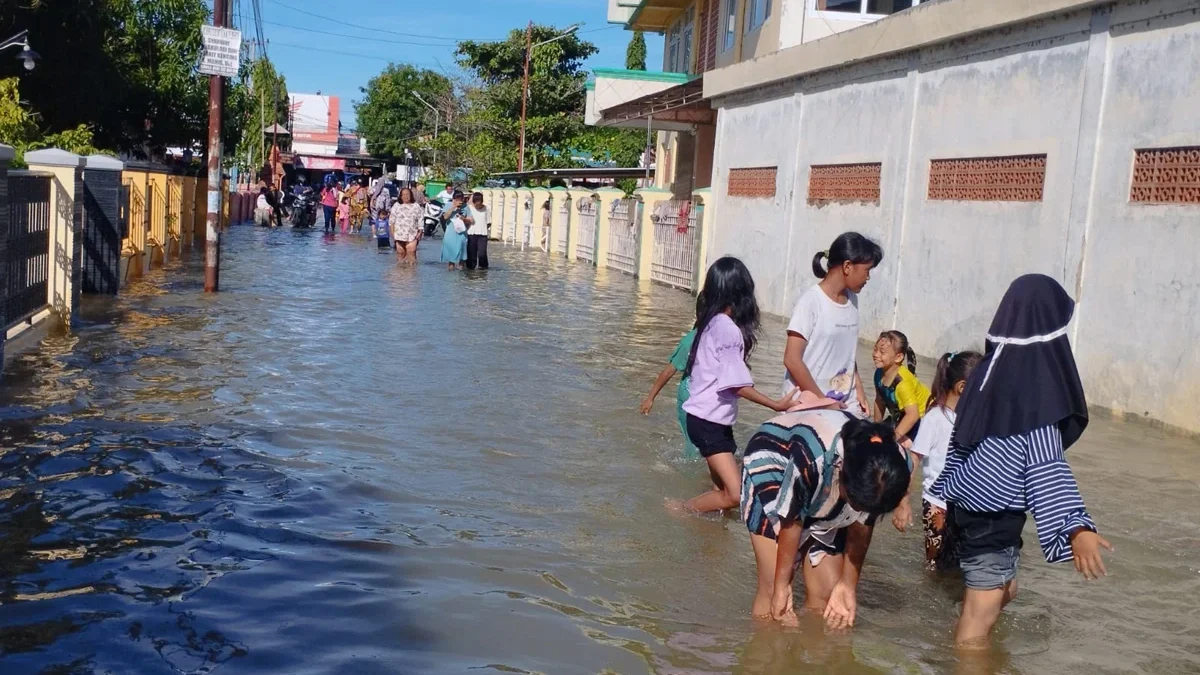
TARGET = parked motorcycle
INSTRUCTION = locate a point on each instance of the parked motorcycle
(303, 210)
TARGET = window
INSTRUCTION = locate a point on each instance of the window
(871, 7)
(673, 49)
(752, 182)
(844, 183)
(1018, 178)
(757, 13)
(1166, 176)
(730, 32)
(688, 27)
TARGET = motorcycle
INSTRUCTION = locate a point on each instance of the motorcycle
(303, 209)
(433, 217)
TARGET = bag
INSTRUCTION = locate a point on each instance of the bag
(459, 226)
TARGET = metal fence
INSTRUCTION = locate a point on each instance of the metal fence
(586, 248)
(676, 243)
(28, 266)
(564, 218)
(623, 236)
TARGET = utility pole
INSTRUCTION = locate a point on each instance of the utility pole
(212, 230)
(525, 95)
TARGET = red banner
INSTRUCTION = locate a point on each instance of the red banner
(326, 163)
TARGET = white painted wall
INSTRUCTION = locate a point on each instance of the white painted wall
(1086, 89)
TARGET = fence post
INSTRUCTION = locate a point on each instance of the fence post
(577, 196)
(6, 156)
(650, 198)
(101, 259)
(703, 199)
(66, 225)
(538, 196)
(606, 197)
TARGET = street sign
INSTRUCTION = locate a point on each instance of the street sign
(222, 51)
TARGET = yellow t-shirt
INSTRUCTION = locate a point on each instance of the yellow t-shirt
(906, 390)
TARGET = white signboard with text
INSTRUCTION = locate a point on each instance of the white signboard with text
(222, 51)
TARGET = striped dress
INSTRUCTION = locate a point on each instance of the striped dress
(1025, 472)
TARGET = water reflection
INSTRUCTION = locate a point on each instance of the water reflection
(344, 465)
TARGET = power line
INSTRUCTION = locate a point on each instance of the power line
(357, 37)
(377, 30)
(339, 52)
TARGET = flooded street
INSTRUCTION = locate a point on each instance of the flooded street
(341, 465)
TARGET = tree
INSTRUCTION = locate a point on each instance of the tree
(635, 54)
(19, 128)
(391, 117)
(266, 104)
(556, 89)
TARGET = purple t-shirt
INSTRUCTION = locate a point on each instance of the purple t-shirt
(719, 371)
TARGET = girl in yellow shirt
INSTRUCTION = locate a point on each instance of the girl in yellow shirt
(900, 397)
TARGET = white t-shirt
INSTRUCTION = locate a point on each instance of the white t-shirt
(932, 443)
(261, 202)
(831, 330)
(445, 197)
(483, 220)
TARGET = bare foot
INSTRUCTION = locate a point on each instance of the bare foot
(675, 505)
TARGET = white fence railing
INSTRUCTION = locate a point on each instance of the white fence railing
(623, 236)
(527, 229)
(564, 215)
(510, 220)
(676, 243)
(586, 248)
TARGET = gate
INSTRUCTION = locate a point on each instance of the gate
(676, 243)
(564, 219)
(103, 212)
(28, 266)
(622, 236)
(586, 248)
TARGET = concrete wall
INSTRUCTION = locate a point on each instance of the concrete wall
(1086, 87)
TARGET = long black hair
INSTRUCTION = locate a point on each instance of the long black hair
(951, 369)
(728, 285)
(875, 476)
(900, 344)
(849, 247)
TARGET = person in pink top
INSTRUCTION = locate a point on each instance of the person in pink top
(727, 321)
(329, 203)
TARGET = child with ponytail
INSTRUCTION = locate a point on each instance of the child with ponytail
(900, 397)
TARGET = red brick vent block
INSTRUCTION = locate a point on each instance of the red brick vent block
(1020, 178)
(834, 183)
(758, 182)
(1166, 176)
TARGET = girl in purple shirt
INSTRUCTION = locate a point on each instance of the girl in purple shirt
(727, 321)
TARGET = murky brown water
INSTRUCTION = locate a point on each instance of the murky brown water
(338, 465)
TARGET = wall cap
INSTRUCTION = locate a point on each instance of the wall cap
(54, 157)
(103, 162)
(7, 153)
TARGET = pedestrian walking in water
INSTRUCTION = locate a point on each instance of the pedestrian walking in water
(822, 336)
(676, 364)
(477, 233)
(358, 194)
(343, 213)
(727, 321)
(1022, 408)
(929, 454)
(382, 230)
(406, 225)
(814, 482)
(329, 205)
(455, 219)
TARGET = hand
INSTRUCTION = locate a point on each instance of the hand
(1086, 544)
(781, 603)
(862, 401)
(647, 404)
(842, 605)
(902, 516)
(788, 401)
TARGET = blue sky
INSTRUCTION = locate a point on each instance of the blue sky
(374, 32)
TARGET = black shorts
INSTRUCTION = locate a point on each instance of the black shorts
(383, 242)
(710, 438)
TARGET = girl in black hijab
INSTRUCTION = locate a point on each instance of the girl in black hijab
(1022, 408)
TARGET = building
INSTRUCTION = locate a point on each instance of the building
(318, 144)
(702, 36)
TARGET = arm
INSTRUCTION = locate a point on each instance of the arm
(843, 601)
(664, 376)
(880, 409)
(858, 389)
(1065, 530)
(755, 396)
(785, 562)
(902, 516)
(793, 361)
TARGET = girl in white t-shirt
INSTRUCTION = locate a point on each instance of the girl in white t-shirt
(930, 449)
(822, 337)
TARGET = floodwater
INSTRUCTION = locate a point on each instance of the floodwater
(339, 465)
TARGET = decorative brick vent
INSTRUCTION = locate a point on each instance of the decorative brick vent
(988, 179)
(832, 183)
(752, 182)
(1166, 176)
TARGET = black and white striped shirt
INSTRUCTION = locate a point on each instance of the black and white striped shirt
(1026, 472)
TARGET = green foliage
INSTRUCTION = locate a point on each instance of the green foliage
(19, 128)
(263, 102)
(390, 117)
(635, 54)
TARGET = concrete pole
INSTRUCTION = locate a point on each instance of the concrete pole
(212, 234)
